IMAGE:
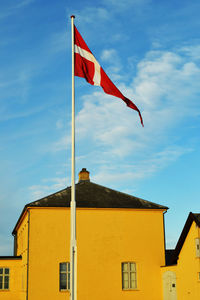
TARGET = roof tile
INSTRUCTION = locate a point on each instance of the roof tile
(89, 194)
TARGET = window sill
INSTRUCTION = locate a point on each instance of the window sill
(130, 290)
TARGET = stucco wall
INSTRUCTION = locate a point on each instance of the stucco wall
(105, 239)
(14, 291)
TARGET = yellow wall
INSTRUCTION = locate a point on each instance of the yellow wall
(105, 239)
(49, 245)
(14, 292)
(187, 268)
(22, 249)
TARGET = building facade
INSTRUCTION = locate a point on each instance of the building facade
(120, 247)
(181, 275)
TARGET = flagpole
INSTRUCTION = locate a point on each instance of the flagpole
(73, 247)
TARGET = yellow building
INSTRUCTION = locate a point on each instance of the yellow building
(120, 241)
(181, 276)
(10, 277)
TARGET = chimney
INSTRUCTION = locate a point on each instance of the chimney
(84, 175)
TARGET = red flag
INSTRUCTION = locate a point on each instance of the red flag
(87, 66)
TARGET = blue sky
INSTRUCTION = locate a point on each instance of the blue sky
(151, 50)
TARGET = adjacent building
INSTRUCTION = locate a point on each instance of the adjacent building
(181, 275)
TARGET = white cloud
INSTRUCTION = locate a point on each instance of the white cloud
(5, 115)
(139, 169)
(59, 124)
(62, 144)
(109, 55)
(11, 10)
(58, 42)
(166, 76)
(92, 14)
(23, 3)
(192, 51)
(125, 4)
(167, 92)
(163, 88)
(50, 186)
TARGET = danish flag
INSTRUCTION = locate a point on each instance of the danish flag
(87, 66)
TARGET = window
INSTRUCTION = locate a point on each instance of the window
(198, 276)
(4, 278)
(197, 242)
(129, 276)
(64, 276)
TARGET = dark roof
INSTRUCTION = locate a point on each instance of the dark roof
(92, 195)
(168, 256)
(191, 218)
(10, 257)
(197, 219)
(89, 194)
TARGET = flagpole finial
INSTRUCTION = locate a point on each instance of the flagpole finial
(72, 16)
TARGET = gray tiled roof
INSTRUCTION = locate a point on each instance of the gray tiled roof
(89, 194)
(197, 218)
(92, 195)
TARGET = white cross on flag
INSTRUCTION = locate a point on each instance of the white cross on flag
(87, 66)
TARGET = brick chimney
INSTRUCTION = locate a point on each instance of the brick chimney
(84, 175)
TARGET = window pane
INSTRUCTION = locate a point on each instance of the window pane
(1, 282)
(1, 270)
(125, 280)
(6, 271)
(68, 267)
(133, 276)
(63, 281)
(125, 284)
(6, 282)
(125, 275)
(132, 267)
(133, 284)
(63, 267)
(68, 281)
(124, 266)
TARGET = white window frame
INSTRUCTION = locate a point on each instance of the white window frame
(67, 272)
(5, 273)
(130, 272)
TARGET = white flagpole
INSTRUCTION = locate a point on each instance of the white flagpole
(73, 248)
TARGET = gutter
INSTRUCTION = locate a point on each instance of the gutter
(10, 257)
(28, 255)
(164, 234)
